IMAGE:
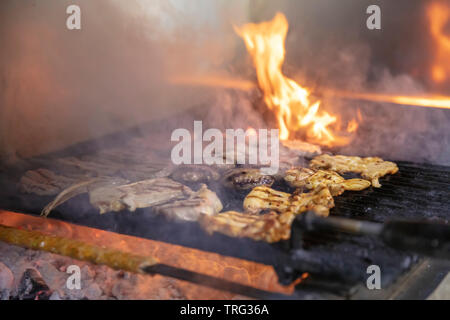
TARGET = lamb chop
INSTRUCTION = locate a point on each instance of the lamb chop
(79, 188)
(141, 194)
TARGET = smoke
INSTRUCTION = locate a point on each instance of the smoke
(60, 86)
(328, 46)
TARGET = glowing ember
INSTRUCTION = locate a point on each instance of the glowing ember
(242, 271)
(439, 17)
(289, 100)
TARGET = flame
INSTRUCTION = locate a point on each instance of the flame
(439, 17)
(352, 126)
(418, 101)
(289, 100)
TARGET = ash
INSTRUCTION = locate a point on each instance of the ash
(33, 275)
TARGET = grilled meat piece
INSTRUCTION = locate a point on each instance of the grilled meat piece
(371, 168)
(44, 182)
(141, 194)
(318, 200)
(313, 179)
(245, 179)
(100, 167)
(202, 202)
(269, 227)
(79, 188)
(263, 198)
(194, 174)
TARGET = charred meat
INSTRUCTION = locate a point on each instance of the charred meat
(245, 179)
(371, 168)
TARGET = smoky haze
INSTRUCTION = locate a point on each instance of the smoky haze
(59, 87)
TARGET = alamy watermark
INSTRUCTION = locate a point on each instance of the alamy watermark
(257, 147)
(374, 280)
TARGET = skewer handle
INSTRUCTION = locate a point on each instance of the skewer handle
(427, 238)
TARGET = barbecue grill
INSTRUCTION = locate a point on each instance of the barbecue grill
(336, 262)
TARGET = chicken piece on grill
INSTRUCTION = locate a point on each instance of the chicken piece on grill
(318, 200)
(202, 202)
(246, 178)
(99, 167)
(194, 174)
(44, 182)
(141, 194)
(263, 198)
(269, 227)
(313, 179)
(371, 168)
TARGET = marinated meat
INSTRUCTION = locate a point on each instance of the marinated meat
(245, 179)
(318, 200)
(269, 227)
(141, 194)
(371, 168)
(313, 179)
(204, 201)
(265, 198)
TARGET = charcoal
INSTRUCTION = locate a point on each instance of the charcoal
(33, 287)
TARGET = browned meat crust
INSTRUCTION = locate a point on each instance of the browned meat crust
(269, 227)
(371, 168)
(313, 179)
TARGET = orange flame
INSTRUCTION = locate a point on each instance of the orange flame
(289, 100)
(439, 17)
(428, 101)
